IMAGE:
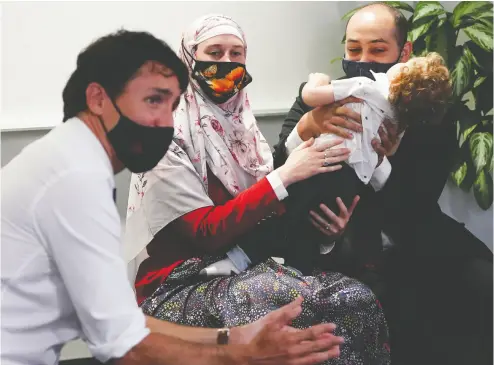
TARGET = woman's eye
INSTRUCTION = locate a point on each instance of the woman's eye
(354, 50)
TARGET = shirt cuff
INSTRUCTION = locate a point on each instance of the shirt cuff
(325, 248)
(381, 175)
(124, 343)
(293, 141)
(277, 185)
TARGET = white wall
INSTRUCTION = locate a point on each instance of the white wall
(41, 40)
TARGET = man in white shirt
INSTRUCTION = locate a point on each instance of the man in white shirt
(62, 275)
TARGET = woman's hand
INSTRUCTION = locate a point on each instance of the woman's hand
(335, 118)
(337, 223)
(308, 160)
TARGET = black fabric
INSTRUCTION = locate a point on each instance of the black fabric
(292, 235)
(438, 275)
(303, 241)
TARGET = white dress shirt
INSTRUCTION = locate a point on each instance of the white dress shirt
(62, 274)
(374, 110)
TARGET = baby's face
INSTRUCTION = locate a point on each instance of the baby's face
(396, 69)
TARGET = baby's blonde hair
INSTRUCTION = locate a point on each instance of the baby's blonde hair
(420, 94)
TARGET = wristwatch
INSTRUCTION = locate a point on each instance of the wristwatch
(223, 336)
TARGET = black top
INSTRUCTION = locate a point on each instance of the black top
(407, 207)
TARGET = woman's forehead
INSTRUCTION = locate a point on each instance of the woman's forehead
(228, 40)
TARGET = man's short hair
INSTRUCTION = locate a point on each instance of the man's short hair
(401, 23)
(112, 61)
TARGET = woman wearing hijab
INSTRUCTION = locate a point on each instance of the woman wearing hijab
(211, 194)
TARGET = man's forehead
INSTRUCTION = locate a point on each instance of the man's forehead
(155, 75)
(371, 24)
(156, 68)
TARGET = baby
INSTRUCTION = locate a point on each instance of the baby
(409, 93)
(414, 92)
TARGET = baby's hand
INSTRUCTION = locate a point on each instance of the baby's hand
(319, 79)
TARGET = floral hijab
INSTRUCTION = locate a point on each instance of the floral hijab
(223, 137)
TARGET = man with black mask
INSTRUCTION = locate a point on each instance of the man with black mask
(435, 269)
(62, 273)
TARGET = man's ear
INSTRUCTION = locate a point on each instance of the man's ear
(406, 52)
(95, 95)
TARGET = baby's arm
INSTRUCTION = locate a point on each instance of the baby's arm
(318, 91)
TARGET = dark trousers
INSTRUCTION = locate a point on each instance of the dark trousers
(439, 307)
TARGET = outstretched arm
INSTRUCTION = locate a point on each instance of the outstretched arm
(318, 91)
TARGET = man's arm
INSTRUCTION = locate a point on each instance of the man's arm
(302, 123)
(268, 341)
(80, 229)
(191, 334)
(159, 349)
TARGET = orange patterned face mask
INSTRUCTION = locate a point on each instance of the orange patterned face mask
(221, 80)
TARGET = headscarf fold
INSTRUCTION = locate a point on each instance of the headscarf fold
(223, 137)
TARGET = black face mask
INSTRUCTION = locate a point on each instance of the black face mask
(139, 147)
(356, 68)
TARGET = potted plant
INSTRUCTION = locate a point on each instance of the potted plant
(433, 29)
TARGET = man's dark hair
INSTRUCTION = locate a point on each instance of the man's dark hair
(112, 61)
(401, 23)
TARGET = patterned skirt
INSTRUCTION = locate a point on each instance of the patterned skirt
(189, 299)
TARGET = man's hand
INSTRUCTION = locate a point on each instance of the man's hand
(390, 141)
(276, 343)
(338, 222)
(334, 118)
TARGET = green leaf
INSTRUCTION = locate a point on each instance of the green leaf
(468, 120)
(479, 81)
(400, 5)
(420, 28)
(462, 73)
(427, 9)
(441, 40)
(481, 58)
(335, 59)
(483, 94)
(469, 9)
(459, 174)
(482, 190)
(481, 149)
(419, 47)
(466, 133)
(465, 158)
(481, 35)
(348, 15)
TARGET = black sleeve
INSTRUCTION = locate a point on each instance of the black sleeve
(294, 115)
